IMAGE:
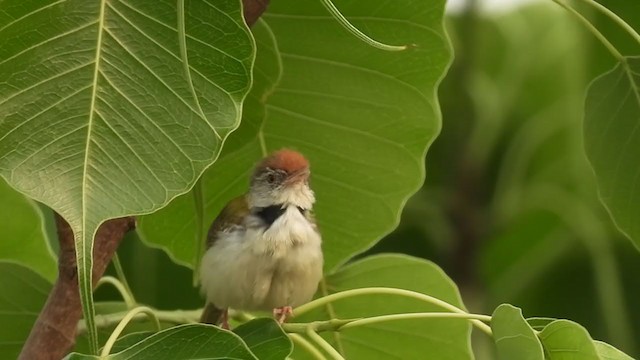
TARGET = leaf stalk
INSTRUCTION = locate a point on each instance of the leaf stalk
(356, 32)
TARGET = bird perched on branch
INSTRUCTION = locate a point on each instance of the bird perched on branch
(264, 249)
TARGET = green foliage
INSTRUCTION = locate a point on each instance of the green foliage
(191, 341)
(566, 340)
(265, 339)
(355, 111)
(23, 293)
(514, 338)
(406, 339)
(22, 243)
(117, 108)
(608, 352)
(86, 95)
(612, 119)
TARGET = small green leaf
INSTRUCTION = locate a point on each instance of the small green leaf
(192, 341)
(22, 295)
(566, 340)
(612, 142)
(608, 352)
(514, 338)
(265, 339)
(24, 238)
(441, 339)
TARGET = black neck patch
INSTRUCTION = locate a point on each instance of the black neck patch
(271, 213)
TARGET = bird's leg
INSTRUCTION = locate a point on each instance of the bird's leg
(282, 313)
(224, 319)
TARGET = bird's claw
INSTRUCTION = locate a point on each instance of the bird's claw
(281, 314)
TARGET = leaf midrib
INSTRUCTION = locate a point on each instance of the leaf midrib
(85, 266)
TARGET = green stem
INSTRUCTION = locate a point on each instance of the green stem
(120, 273)
(324, 325)
(323, 344)
(356, 32)
(126, 296)
(332, 315)
(612, 49)
(390, 291)
(123, 323)
(340, 324)
(306, 345)
(428, 315)
(166, 316)
(617, 19)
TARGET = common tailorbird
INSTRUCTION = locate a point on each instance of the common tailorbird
(264, 249)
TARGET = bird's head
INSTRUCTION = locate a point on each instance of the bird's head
(281, 178)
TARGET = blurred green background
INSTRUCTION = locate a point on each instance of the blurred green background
(509, 208)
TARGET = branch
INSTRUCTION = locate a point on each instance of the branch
(54, 332)
(253, 9)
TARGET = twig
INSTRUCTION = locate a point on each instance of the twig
(123, 323)
(323, 344)
(307, 346)
(131, 303)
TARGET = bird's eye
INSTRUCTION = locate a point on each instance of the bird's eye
(271, 178)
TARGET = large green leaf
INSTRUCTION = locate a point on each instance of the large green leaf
(402, 339)
(566, 340)
(22, 295)
(364, 117)
(514, 338)
(176, 227)
(265, 339)
(612, 142)
(193, 341)
(23, 237)
(130, 340)
(100, 118)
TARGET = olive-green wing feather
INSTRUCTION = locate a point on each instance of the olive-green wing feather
(232, 215)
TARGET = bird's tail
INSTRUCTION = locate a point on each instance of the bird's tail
(212, 315)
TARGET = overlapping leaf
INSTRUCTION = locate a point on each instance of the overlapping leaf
(514, 338)
(23, 237)
(364, 118)
(566, 340)
(193, 341)
(265, 338)
(612, 142)
(403, 339)
(22, 295)
(98, 118)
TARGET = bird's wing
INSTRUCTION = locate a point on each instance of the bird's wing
(232, 215)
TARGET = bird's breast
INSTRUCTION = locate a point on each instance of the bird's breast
(288, 231)
(260, 267)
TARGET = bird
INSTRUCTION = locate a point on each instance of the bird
(264, 249)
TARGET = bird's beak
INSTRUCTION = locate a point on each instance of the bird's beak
(298, 176)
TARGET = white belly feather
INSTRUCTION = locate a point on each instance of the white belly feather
(253, 269)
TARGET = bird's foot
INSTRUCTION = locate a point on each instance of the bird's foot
(224, 319)
(281, 314)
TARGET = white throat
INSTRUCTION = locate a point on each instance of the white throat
(299, 195)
